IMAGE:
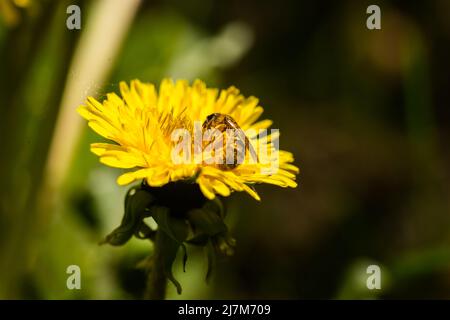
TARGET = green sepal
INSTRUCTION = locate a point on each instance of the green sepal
(215, 205)
(224, 244)
(169, 247)
(199, 240)
(137, 204)
(206, 222)
(210, 258)
(176, 230)
(143, 231)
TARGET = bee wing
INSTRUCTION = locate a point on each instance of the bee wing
(252, 150)
(214, 140)
(242, 137)
(248, 146)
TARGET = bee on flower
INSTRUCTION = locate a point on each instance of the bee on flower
(142, 122)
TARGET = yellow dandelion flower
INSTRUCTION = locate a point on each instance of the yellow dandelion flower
(140, 125)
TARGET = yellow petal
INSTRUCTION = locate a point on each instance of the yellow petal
(206, 189)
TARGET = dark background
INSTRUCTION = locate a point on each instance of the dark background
(365, 113)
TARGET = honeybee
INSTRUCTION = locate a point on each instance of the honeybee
(241, 143)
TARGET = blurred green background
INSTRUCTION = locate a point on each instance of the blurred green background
(364, 112)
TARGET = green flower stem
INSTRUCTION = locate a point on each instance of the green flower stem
(157, 279)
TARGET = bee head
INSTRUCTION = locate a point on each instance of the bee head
(211, 117)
